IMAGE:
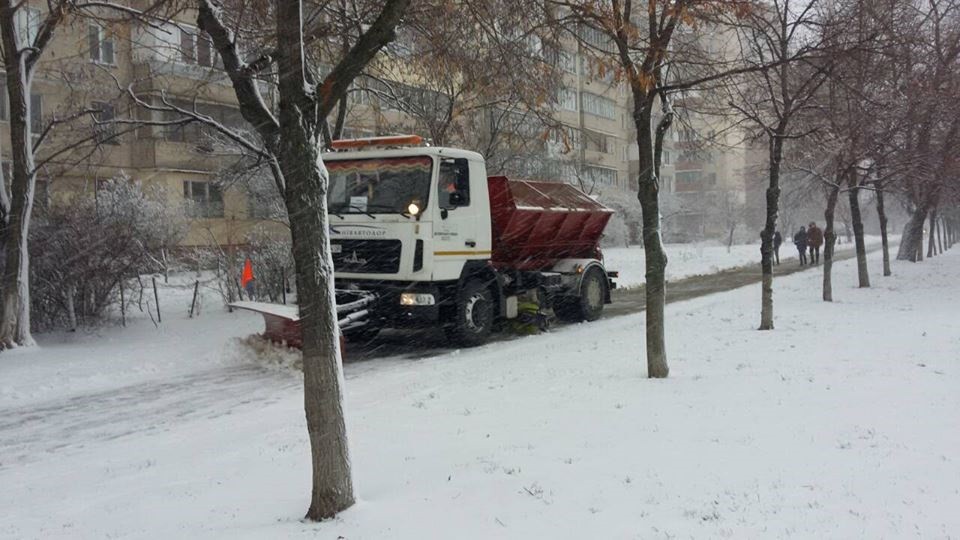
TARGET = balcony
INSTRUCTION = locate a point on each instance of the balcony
(154, 75)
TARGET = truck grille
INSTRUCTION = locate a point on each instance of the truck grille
(367, 256)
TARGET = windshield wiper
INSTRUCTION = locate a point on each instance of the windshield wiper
(340, 209)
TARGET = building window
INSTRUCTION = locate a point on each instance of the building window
(358, 96)
(568, 61)
(105, 130)
(188, 49)
(204, 199)
(196, 48)
(185, 132)
(36, 109)
(599, 106)
(566, 138)
(597, 70)
(596, 38)
(27, 22)
(596, 142)
(568, 99)
(600, 175)
(101, 45)
(194, 131)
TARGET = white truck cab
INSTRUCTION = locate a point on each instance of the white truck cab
(407, 214)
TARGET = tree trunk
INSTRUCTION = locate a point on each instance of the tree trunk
(939, 236)
(931, 244)
(911, 240)
(853, 195)
(15, 312)
(306, 183)
(770, 227)
(70, 294)
(829, 241)
(882, 215)
(322, 367)
(648, 194)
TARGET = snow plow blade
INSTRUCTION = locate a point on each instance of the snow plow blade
(283, 322)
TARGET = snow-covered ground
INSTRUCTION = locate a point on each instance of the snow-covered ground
(699, 258)
(842, 423)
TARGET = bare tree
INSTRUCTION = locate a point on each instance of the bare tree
(643, 47)
(289, 140)
(930, 136)
(772, 100)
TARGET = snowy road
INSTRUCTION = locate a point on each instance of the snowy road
(29, 433)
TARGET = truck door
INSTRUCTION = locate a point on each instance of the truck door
(456, 234)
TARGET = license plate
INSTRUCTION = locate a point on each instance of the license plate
(336, 248)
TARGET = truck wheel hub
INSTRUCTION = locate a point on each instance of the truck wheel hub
(474, 311)
(593, 293)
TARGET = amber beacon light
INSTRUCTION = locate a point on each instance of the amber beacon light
(393, 140)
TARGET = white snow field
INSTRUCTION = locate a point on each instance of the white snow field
(842, 423)
(702, 258)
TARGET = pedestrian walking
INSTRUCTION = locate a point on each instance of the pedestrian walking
(814, 241)
(777, 240)
(800, 240)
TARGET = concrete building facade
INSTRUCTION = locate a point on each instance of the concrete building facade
(93, 64)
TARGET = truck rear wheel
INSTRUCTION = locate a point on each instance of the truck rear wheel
(362, 335)
(473, 319)
(588, 305)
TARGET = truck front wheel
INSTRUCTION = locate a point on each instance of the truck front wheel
(474, 315)
(588, 304)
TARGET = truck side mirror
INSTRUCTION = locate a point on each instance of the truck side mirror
(457, 199)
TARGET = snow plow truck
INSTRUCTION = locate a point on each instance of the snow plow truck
(422, 237)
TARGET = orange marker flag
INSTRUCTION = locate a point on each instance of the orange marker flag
(247, 275)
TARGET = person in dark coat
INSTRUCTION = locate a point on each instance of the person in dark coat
(777, 240)
(814, 241)
(800, 240)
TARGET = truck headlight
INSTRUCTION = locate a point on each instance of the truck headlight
(417, 299)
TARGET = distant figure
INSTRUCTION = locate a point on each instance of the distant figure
(800, 240)
(777, 240)
(814, 241)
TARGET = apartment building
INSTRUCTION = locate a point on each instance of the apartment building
(706, 162)
(92, 65)
(95, 63)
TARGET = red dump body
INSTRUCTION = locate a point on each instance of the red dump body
(536, 223)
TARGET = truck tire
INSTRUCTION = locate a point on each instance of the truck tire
(362, 335)
(473, 315)
(588, 306)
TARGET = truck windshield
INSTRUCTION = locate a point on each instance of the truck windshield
(378, 186)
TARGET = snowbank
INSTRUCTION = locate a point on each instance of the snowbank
(700, 258)
(842, 423)
(100, 359)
